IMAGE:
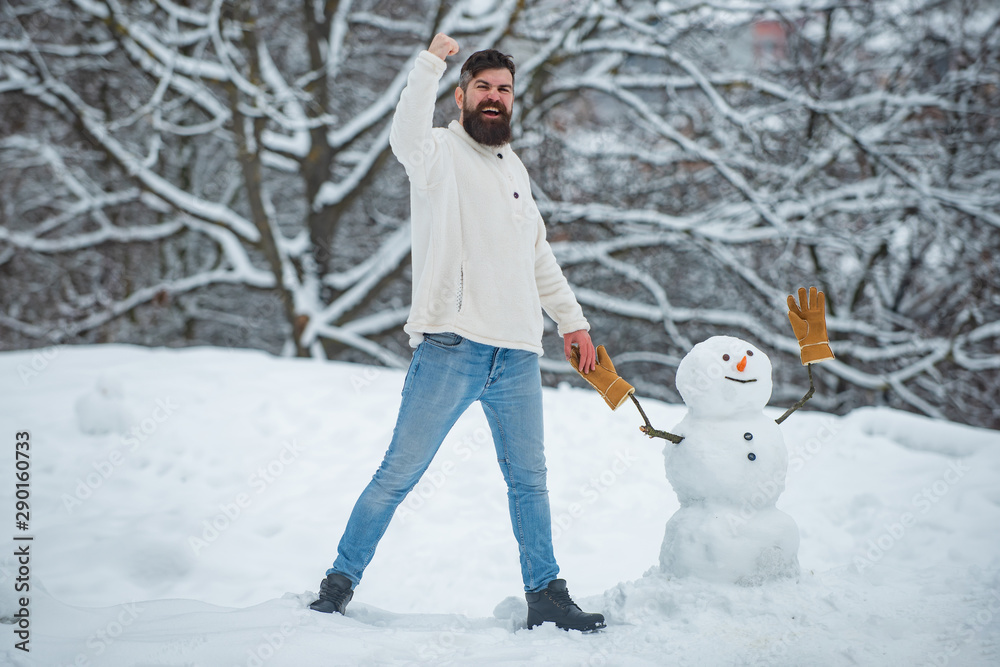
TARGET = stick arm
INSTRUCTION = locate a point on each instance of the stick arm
(648, 428)
(801, 401)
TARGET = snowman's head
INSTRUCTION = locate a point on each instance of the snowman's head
(724, 376)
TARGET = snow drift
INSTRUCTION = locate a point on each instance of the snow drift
(197, 533)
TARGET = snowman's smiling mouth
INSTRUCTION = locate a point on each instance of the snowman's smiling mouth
(741, 381)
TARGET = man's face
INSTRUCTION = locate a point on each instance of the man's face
(486, 105)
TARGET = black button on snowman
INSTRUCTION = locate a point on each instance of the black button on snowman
(728, 528)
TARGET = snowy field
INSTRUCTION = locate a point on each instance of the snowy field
(197, 533)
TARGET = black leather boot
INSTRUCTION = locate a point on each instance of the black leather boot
(334, 594)
(554, 604)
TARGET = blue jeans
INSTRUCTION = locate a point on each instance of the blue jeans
(447, 374)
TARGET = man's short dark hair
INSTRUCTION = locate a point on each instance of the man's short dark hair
(484, 60)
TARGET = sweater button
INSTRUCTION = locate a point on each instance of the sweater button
(516, 195)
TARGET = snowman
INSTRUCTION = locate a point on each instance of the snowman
(727, 465)
(726, 460)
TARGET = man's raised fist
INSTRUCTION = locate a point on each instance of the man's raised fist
(443, 46)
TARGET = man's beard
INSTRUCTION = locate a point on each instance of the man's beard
(491, 131)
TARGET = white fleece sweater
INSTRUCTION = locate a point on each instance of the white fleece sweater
(481, 265)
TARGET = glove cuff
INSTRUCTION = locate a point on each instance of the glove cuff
(815, 352)
(617, 392)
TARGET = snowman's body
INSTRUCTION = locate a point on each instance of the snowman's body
(728, 471)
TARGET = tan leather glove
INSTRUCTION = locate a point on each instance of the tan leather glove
(808, 319)
(604, 378)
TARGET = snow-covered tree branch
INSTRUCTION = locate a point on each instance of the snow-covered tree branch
(219, 173)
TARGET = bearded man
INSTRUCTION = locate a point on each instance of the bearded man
(482, 274)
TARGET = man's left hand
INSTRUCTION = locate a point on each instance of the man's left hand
(588, 357)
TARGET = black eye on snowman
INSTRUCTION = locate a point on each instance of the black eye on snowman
(749, 353)
(725, 357)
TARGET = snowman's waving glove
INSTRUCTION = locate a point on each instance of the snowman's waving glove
(808, 318)
(604, 378)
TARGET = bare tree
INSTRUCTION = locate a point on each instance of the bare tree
(706, 160)
(244, 140)
(219, 172)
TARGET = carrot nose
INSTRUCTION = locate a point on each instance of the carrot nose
(743, 364)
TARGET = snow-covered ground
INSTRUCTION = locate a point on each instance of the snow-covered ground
(199, 534)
